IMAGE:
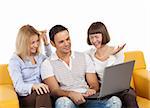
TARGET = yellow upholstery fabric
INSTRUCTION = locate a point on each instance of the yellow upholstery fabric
(143, 102)
(138, 57)
(132, 83)
(142, 83)
(141, 78)
(8, 96)
(4, 75)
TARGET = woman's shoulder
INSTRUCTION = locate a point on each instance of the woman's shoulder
(90, 51)
(41, 57)
(111, 48)
(15, 59)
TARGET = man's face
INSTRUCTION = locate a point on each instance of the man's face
(62, 42)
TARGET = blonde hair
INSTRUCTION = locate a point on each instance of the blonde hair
(23, 39)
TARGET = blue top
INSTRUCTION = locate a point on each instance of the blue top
(24, 74)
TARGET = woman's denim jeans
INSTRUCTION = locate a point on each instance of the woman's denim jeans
(65, 102)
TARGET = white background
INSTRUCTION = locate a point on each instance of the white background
(128, 21)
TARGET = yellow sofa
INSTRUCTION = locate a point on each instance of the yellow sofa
(141, 78)
(140, 82)
(8, 96)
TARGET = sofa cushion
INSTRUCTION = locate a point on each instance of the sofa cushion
(4, 75)
(8, 97)
(142, 83)
(143, 102)
(138, 57)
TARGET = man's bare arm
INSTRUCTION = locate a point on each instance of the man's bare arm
(54, 87)
(56, 91)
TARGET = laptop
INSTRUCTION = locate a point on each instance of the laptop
(116, 78)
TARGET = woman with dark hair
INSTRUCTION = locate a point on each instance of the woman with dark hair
(104, 55)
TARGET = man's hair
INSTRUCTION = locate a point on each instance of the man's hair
(98, 27)
(23, 39)
(54, 30)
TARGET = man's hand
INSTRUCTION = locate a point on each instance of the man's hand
(89, 92)
(76, 97)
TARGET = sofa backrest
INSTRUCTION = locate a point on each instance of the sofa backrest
(138, 57)
(4, 75)
(139, 61)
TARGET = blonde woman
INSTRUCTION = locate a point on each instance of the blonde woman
(104, 55)
(24, 68)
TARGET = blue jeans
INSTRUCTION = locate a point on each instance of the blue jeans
(113, 102)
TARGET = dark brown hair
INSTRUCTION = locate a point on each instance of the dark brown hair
(54, 30)
(98, 27)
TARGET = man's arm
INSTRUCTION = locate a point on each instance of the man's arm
(54, 87)
(48, 78)
(56, 91)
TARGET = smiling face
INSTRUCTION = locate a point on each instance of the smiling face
(62, 42)
(97, 34)
(96, 39)
(34, 44)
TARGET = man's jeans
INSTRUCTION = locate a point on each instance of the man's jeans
(113, 102)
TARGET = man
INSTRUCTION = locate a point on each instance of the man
(75, 77)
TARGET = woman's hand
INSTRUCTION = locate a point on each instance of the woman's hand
(40, 88)
(119, 48)
(43, 36)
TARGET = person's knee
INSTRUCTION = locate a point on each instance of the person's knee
(114, 102)
(64, 102)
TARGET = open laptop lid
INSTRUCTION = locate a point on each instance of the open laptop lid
(116, 78)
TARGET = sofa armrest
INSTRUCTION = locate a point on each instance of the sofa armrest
(142, 83)
(8, 97)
